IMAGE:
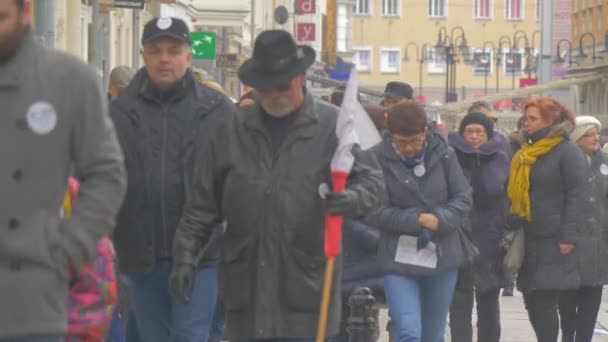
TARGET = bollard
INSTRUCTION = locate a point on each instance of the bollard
(363, 320)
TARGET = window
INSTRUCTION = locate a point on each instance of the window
(363, 59)
(482, 8)
(436, 61)
(513, 9)
(362, 7)
(390, 60)
(390, 7)
(437, 8)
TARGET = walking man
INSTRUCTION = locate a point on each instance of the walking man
(46, 135)
(266, 168)
(163, 119)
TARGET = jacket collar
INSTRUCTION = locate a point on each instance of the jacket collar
(562, 128)
(12, 72)
(436, 147)
(305, 125)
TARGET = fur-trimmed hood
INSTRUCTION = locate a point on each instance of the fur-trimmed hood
(563, 128)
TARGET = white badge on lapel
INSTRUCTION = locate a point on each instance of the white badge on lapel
(41, 118)
(604, 169)
(419, 170)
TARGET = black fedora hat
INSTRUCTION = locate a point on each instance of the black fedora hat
(276, 60)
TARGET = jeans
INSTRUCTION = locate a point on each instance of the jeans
(160, 318)
(578, 310)
(419, 306)
(36, 338)
(542, 311)
(217, 326)
(461, 311)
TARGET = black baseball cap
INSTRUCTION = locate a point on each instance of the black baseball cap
(399, 90)
(166, 27)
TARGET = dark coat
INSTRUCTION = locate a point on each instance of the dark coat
(360, 258)
(442, 190)
(592, 242)
(490, 166)
(558, 193)
(161, 135)
(272, 266)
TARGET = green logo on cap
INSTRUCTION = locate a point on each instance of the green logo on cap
(203, 45)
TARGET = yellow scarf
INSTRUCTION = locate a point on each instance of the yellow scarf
(67, 205)
(519, 174)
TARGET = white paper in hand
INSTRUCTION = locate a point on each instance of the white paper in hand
(407, 253)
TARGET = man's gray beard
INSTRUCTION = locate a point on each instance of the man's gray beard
(285, 109)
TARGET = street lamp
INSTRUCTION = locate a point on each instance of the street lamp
(515, 50)
(420, 58)
(486, 59)
(448, 44)
(501, 42)
(581, 51)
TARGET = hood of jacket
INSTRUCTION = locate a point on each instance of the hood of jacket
(562, 128)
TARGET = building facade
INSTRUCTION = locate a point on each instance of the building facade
(589, 16)
(396, 40)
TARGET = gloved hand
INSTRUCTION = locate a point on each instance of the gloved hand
(342, 203)
(424, 238)
(181, 282)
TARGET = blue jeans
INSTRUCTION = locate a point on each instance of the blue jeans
(219, 321)
(161, 318)
(116, 333)
(419, 306)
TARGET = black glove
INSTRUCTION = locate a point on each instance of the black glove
(181, 282)
(424, 238)
(342, 203)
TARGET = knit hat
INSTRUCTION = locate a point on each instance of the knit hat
(583, 124)
(477, 118)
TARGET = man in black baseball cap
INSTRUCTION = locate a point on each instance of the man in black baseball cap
(396, 92)
(165, 120)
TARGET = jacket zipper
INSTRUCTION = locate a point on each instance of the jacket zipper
(162, 178)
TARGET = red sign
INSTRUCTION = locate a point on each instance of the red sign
(305, 6)
(306, 32)
(527, 82)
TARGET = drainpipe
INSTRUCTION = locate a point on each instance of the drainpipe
(45, 22)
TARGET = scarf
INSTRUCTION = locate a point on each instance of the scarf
(518, 188)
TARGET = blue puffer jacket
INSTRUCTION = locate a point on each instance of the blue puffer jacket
(361, 266)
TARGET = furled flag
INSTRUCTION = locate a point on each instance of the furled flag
(354, 127)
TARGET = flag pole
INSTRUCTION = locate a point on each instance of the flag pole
(325, 297)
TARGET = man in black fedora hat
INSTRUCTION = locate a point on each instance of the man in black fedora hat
(164, 120)
(270, 165)
(395, 92)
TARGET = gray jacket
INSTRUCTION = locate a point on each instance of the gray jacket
(272, 266)
(592, 242)
(54, 121)
(558, 193)
(442, 190)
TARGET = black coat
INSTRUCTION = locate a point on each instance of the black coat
(442, 190)
(558, 192)
(593, 236)
(272, 267)
(161, 137)
(360, 258)
(487, 169)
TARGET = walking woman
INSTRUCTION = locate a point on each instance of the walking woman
(578, 308)
(483, 158)
(547, 188)
(428, 200)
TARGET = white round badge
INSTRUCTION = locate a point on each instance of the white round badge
(419, 170)
(323, 190)
(164, 23)
(604, 169)
(41, 118)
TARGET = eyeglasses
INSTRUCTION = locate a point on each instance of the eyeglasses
(413, 142)
(477, 132)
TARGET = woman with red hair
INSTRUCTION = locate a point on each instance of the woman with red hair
(547, 189)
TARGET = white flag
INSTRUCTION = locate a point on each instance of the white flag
(353, 127)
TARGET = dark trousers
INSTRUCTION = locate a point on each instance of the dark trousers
(542, 311)
(578, 310)
(461, 312)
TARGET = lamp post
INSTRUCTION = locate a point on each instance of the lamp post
(581, 51)
(420, 58)
(514, 50)
(487, 70)
(447, 43)
(533, 43)
(501, 41)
